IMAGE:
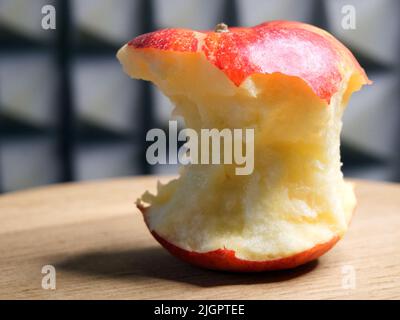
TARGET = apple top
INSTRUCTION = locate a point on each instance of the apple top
(287, 47)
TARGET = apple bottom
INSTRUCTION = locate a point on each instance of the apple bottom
(226, 260)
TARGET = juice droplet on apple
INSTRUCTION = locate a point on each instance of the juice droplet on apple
(221, 27)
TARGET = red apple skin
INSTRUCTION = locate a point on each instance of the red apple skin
(291, 48)
(226, 260)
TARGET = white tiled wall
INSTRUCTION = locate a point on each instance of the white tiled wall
(105, 98)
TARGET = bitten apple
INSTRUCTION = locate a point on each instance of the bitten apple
(290, 82)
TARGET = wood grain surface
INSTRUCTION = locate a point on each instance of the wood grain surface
(96, 239)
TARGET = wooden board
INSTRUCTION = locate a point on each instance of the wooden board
(96, 240)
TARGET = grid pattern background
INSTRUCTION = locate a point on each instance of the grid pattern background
(67, 111)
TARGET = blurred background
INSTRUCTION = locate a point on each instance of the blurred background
(68, 112)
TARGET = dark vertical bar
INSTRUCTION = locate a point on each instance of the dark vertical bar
(230, 14)
(319, 15)
(146, 100)
(1, 170)
(65, 128)
(1, 162)
(396, 176)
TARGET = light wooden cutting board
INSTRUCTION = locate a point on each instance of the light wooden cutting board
(95, 238)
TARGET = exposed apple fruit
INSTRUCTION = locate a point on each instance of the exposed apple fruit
(290, 82)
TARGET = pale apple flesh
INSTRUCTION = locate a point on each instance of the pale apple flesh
(295, 205)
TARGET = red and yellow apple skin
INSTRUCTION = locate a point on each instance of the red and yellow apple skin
(226, 260)
(291, 48)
